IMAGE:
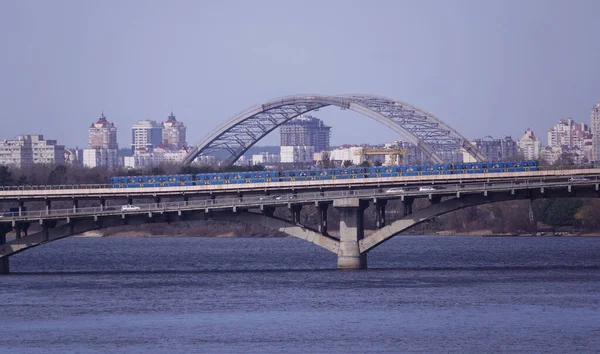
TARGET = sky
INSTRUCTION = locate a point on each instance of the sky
(484, 67)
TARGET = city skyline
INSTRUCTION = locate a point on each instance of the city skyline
(480, 67)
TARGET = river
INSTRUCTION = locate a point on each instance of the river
(421, 294)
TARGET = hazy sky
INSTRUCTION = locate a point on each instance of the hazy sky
(484, 67)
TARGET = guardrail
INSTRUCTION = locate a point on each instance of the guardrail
(284, 199)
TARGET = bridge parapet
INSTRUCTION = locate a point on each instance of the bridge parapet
(352, 245)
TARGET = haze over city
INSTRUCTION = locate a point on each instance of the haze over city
(485, 68)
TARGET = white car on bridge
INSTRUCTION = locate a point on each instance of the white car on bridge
(395, 190)
(130, 208)
(428, 188)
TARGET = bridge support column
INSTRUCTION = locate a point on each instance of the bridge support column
(75, 205)
(21, 207)
(48, 206)
(268, 210)
(351, 232)
(295, 210)
(380, 212)
(102, 204)
(156, 200)
(323, 217)
(46, 231)
(4, 268)
(435, 199)
(186, 199)
(408, 205)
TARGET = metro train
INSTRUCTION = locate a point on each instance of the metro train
(353, 172)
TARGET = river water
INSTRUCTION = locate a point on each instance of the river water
(421, 294)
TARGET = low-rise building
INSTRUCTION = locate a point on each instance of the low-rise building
(158, 157)
(297, 154)
(265, 158)
(101, 157)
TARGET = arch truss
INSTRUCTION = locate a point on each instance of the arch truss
(431, 135)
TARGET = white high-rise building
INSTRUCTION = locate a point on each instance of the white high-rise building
(145, 136)
(595, 123)
(529, 145)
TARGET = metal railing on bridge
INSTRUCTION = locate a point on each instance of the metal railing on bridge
(255, 200)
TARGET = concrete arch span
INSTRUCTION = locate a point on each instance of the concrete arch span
(387, 232)
(77, 227)
(430, 134)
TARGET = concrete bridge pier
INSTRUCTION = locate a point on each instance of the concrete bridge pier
(380, 212)
(408, 205)
(351, 232)
(322, 207)
(4, 268)
(295, 210)
(48, 206)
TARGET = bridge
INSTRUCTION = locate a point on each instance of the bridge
(255, 204)
(428, 133)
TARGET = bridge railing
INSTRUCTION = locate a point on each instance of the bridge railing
(254, 201)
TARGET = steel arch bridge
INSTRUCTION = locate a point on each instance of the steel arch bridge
(428, 133)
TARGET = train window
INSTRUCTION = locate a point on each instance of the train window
(151, 179)
(323, 173)
(226, 177)
(206, 178)
(256, 175)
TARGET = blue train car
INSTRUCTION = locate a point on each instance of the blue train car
(353, 172)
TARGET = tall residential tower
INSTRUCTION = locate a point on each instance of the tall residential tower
(102, 149)
(173, 134)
